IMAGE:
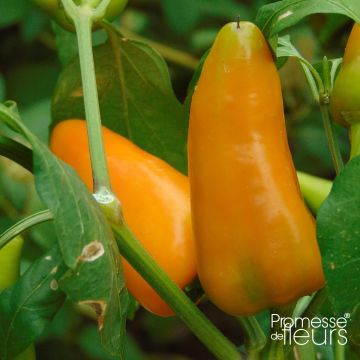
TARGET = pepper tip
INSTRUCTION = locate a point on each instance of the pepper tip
(238, 22)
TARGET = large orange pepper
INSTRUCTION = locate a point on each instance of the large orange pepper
(256, 240)
(155, 199)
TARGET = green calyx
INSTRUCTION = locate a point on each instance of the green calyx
(55, 10)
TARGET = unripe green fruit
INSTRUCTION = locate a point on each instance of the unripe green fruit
(345, 100)
(10, 262)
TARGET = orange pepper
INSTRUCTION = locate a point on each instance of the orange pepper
(256, 240)
(155, 199)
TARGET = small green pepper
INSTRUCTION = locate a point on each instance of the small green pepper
(9, 262)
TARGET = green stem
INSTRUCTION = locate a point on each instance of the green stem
(255, 338)
(339, 350)
(83, 18)
(183, 307)
(324, 103)
(330, 134)
(92, 108)
(355, 140)
(24, 225)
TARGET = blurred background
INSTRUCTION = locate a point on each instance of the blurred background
(181, 30)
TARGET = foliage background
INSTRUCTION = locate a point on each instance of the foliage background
(29, 68)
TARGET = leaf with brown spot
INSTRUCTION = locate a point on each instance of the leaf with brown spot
(78, 220)
(28, 306)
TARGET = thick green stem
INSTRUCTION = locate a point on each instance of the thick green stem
(355, 140)
(83, 17)
(255, 339)
(330, 134)
(92, 109)
(183, 307)
(23, 225)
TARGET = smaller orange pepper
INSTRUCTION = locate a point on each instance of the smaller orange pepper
(155, 199)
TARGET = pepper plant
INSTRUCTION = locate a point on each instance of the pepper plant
(124, 85)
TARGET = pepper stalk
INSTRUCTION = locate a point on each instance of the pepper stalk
(83, 17)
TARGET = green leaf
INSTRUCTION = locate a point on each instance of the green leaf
(286, 49)
(84, 237)
(136, 98)
(29, 305)
(315, 74)
(89, 341)
(338, 229)
(281, 15)
(24, 225)
(334, 65)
